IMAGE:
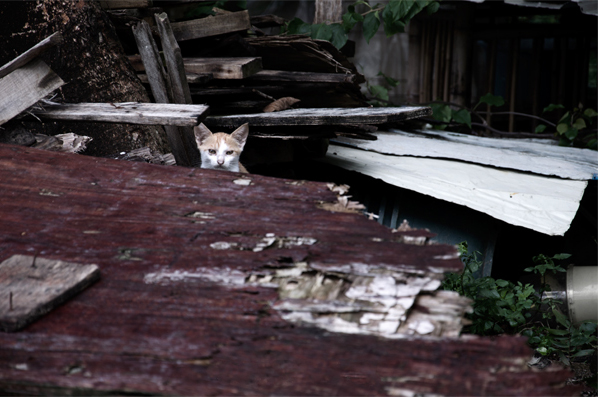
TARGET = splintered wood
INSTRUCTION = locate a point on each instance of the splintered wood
(32, 286)
(217, 283)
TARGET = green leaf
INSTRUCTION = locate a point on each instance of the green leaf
(566, 118)
(580, 124)
(582, 353)
(297, 26)
(321, 31)
(442, 112)
(379, 92)
(559, 332)
(528, 269)
(592, 144)
(432, 7)
(540, 129)
(561, 256)
(389, 80)
(552, 107)
(564, 359)
(339, 36)
(560, 318)
(392, 16)
(462, 116)
(571, 133)
(371, 23)
(562, 128)
(542, 350)
(590, 113)
(588, 326)
(502, 283)
(492, 100)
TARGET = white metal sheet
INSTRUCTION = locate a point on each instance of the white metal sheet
(514, 154)
(544, 204)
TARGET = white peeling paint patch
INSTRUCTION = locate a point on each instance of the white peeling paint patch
(221, 276)
(242, 182)
(222, 245)
(400, 392)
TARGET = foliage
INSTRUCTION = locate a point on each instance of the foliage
(379, 93)
(573, 126)
(501, 306)
(393, 16)
(445, 114)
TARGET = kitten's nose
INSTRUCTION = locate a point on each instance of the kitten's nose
(220, 160)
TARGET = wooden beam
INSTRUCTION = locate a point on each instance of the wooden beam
(32, 286)
(160, 86)
(120, 4)
(211, 26)
(321, 116)
(302, 77)
(127, 112)
(24, 87)
(224, 68)
(31, 54)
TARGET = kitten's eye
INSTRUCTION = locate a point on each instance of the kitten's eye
(229, 152)
(211, 151)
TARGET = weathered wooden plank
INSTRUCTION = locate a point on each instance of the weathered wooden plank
(224, 68)
(31, 53)
(192, 333)
(174, 61)
(302, 77)
(321, 116)
(267, 21)
(211, 26)
(24, 87)
(31, 286)
(160, 86)
(192, 78)
(121, 4)
(126, 112)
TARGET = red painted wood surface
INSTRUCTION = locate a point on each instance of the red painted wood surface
(199, 338)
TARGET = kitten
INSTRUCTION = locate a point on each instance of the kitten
(221, 151)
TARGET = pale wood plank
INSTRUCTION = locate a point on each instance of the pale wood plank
(160, 86)
(211, 26)
(321, 116)
(26, 86)
(224, 68)
(127, 112)
(31, 53)
(30, 287)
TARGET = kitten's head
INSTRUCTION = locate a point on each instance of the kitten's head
(221, 151)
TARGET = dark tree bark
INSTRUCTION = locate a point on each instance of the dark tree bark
(90, 60)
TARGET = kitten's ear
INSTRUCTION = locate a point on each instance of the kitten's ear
(240, 134)
(201, 133)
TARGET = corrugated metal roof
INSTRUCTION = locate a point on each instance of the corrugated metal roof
(506, 179)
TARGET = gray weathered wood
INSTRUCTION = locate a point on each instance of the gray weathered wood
(328, 11)
(211, 26)
(192, 78)
(120, 4)
(32, 286)
(160, 85)
(127, 112)
(224, 68)
(31, 54)
(24, 87)
(178, 82)
(174, 60)
(321, 116)
(302, 77)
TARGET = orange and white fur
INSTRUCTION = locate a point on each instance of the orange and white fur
(221, 151)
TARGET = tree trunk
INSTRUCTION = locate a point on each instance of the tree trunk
(90, 60)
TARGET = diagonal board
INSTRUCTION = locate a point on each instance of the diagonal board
(31, 54)
(32, 286)
(127, 112)
(322, 116)
(26, 86)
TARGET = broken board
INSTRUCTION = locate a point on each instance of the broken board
(126, 112)
(211, 26)
(32, 286)
(321, 116)
(224, 68)
(25, 86)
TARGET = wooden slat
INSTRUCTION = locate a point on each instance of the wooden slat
(24, 87)
(160, 86)
(31, 53)
(224, 68)
(211, 26)
(120, 4)
(127, 112)
(31, 286)
(302, 77)
(321, 116)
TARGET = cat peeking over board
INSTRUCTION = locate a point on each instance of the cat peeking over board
(221, 151)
